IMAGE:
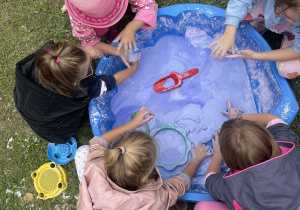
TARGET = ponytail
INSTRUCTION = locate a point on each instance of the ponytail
(61, 66)
(112, 157)
(131, 160)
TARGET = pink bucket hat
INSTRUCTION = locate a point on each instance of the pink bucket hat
(97, 13)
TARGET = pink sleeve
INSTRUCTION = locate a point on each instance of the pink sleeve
(85, 34)
(170, 191)
(275, 121)
(146, 11)
(98, 146)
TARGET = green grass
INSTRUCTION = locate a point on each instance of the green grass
(24, 27)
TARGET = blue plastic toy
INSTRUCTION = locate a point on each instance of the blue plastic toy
(62, 153)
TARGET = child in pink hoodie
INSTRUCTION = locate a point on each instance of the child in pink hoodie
(124, 176)
(91, 19)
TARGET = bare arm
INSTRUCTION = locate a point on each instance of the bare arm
(122, 75)
(201, 153)
(116, 132)
(112, 50)
(107, 48)
(215, 164)
(226, 42)
(134, 25)
(101, 48)
(138, 120)
(284, 54)
(263, 119)
(216, 161)
(233, 112)
(126, 36)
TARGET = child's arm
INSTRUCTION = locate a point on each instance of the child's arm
(216, 161)
(236, 11)
(126, 37)
(121, 76)
(263, 119)
(283, 54)
(138, 120)
(226, 42)
(175, 187)
(201, 152)
(146, 13)
(113, 50)
(107, 48)
(213, 178)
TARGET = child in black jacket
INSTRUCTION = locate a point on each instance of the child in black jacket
(55, 85)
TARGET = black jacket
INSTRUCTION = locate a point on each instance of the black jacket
(50, 115)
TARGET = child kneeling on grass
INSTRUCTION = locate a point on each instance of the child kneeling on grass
(55, 85)
(264, 164)
(124, 176)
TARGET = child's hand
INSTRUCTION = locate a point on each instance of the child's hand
(215, 142)
(232, 112)
(93, 52)
(125, 58)
(226, 42)
(201, 152)
(244, 54)
(139, 119)
(127, 39)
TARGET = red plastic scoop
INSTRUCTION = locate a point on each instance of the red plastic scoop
(159, 84)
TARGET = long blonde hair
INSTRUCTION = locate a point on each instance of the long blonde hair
(244, 143)
(65, 73)
(129, 170)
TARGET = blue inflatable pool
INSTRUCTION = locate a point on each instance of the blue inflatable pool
(270, 92)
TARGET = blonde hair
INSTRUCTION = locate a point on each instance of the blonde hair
(64, 74)
(129, 170)
(244, 143)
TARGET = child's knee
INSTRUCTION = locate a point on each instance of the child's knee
(82, 152)
(288, 69)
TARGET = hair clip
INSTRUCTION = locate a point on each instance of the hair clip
(50, 52)
(123, 150)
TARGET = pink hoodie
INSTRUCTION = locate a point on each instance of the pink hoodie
(97, 191)
(146, 11)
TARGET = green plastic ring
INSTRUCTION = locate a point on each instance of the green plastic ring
(188, 145)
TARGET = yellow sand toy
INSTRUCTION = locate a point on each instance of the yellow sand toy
(50, 180)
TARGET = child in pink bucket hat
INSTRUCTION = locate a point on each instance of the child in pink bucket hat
(92, 18)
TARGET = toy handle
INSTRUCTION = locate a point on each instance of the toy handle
(189, 73)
